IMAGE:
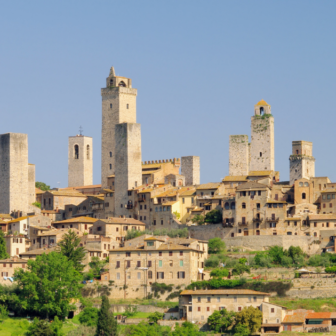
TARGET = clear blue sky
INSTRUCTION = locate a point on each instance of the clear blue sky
(199, 67)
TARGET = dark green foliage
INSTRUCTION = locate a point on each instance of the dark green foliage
(331, 269)
(198, 219)
(37, 204)
(319, 260)
(213, 216)
(145, 329)
(42, 186)
(172, 233)
(82, 330)
(216, 283)
(3, 313)
(268, 287)
(155, 317)
(186, 329)
(160, 288)
(40, 328)
(276, 253)
(240, 269)
(242, 261)
(216, 245)
(70, 247)
(332, 257)
(89, 316)
(220, 321)
(241, 330)
(47, 287)
(212, 261)
(250, 317)
(3, 250)
(173, 295)
(219, 273)
(96, 266)
(107, 324)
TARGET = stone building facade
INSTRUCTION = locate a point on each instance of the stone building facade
(80, 161)
(31, 184)
(118, 106)
(239, 155)
(190, 168)
(14, 173)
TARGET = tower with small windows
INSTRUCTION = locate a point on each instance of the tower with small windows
(79, 161)
(262, 138)
(301, 162)
(118, 106)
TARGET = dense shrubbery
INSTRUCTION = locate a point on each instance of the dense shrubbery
(172, 233)
(216, 283)
(219, 273)
(213, 217)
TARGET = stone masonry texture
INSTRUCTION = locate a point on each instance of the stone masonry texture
(80, 162)
(31, 183)
(238, 155)
(14, 172)
(190, 168)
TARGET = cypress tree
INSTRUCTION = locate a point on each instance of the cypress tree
(3, 250)
(107, 324)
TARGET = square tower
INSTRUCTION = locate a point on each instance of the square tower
(14, 173)
(262, 138)
(79, 161)
(301, 162)
(31, 184)
(118, 106)
(238, 155)
(128, 168)
(190, 168)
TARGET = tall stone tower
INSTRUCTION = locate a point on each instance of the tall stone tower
(13, 173)
(238, 155)
(301, 162)
(128, 169)
(118, 106)
(31, 183)
(262, 138)
(190, 168)
(79, 161)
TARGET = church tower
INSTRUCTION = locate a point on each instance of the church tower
(79, 161)
(262, 138)
(301, 162)
(118, 106)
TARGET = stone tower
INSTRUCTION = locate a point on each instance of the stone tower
(262, 138)
(128, 169)
(79, 161)
(118, 106)
(31, 183)
(190, 168)
(14, 173)
(301, 162)
(238, 155)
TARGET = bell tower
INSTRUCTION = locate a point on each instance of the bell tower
(118, 106)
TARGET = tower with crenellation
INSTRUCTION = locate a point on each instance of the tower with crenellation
(118, 106)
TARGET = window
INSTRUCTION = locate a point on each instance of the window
(239, 308)
(118, 264)
(255, 299)
(235, 299)
(208, 299)
(88, 152)
(128, 254)
(208, 308)
(180, 275)
(330, 205)
(160, 263)
(154, 222)
(127, 106)
(110, 154)
(272, 310)
(258, 206)
(111, 83)
(160, 254)
(160, 275)
(233, 206)
(227, 206)
(110, 165)
(150, 274)
(244, 205)
(138, 263)
(315, 224)
(181, 253)
(181, 263)
(198, 299)
(161, 221)
(198, 308)
(76, 151)
(118, 276)
(218, 299)
(139, 275)
(303, 195)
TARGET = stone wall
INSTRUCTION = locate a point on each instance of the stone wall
(190, 168)
(31, 184)
(238, 155)
(305, 288)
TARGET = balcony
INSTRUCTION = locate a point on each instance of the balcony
(257, 220)
(272, 219)
(227, 224)
(141, 199)
(243, 223)
(205, 197)
(129, 206)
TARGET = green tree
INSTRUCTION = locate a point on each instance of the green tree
(177, 214)
(56, 327)
(107, 324)
(39, 328)
(37, 204)
(155, 317)
(83, 330)
(3, 250)
(240, 269)
(221, 320)
(276, 253)
(3, 313)
(89, 316)
(42, 186)
(97, 265)
(251, 317)
(242, 261)
(294, 251)
(331, 269)
(70, 247)
(186, 329)
(198, 219)
(241, 330)
(219, 273)
(216, 246)
(213, 216)
(48, 286)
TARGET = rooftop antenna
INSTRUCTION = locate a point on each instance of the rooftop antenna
(80, 130)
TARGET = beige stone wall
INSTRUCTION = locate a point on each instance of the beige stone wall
(31, 184)
(118, 106)
(128, 171)
(238, 155)
(15, 245)
(14, 173)
(190, 168)
(305, 288)
(262, 143)
(80, 168)
(9, 268)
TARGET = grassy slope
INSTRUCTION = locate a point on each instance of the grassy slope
(319, 305)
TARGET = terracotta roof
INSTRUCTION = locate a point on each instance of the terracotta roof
(293, 219)
(40, 251)
(3, 222)
(262, 103)
(77, 220)
(296, 317)
(260, 172)
(322, 216)
(18, 219)
(13, 260)
(190, 192)
(210, 185)
(91, 249)
(7, 216)
(170, 203)
(274, 201)
(39, 227)
(39, 191)
(70, 193)
(223, 292)
(329, 190)
(252, 185)
(83, 187)
(162, 247)
(117, 220)
(173, 191)
(196, 209)
(318, 316)
(58, 232)
(108, 191)
(234, 178)
(154, 238)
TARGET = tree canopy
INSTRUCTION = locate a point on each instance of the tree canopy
(216, 246)
(70, 247)
(221, 320)
(42, 186)
(213, 216)
(107, 324)
(3, 250)
(250, 317)
(48, 286)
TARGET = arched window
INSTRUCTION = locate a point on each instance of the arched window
(258, 232)
(233, 206)
(258, 215)
(111, 81)
(227, 206)
(122, 83)
(261, 110)
(260, 154)
(150, 274)
(111, 106)
(110, 154)
(297, 151)
(244, 205)
(110, 165)
(306, 184)
(301, 184)
(76, 152)
(88, 152)
(303, 195)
